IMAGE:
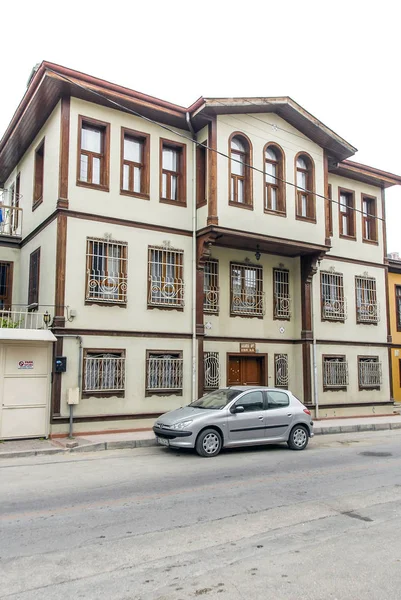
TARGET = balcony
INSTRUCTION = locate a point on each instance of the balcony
(10, 214)
(22, 318)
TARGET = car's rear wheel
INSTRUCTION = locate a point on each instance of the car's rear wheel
(299, 438)
(209, 443)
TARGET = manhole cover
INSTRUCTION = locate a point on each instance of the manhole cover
(376, 454)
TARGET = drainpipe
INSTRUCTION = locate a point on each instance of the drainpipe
(79, 340)
(314, 361)
(194, 365)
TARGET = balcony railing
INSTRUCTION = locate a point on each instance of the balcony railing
(164, 373)
(211, 299)
(367, 312)
(23, 319)
(334, 310)
(370, 374)
(282, 307)
(104, 373)
(335, 374)
(10, 219)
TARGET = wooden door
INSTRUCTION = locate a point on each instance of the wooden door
(245, 370)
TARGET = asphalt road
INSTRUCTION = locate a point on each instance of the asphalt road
(155, 524)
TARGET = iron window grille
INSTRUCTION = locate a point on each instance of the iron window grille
(369, 372)
(104, 373)
(367, 309)
(333, 303)
(106, 271)
(247, 296)
(211, 371)
(335, 372)
(165, 277)
(211, 290)
(164, 372)
(281, 286)
(281, 371)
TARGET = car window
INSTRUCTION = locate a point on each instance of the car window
(277, 399)
(251, 402)
(216, 400)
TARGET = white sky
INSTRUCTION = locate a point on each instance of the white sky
(340, 60)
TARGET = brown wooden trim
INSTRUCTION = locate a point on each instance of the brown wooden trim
(311, 186)
(326, 193)
(307, 371)
(56, 380)
(182, 172)
(281, 186)
(38, 175)
(374, 240)
(352, 214)
(384, 230)
(201, 367)
(105, 155)
(145, 174)
(387, 293)
(102, 418)
(212, 217)
(60, 272)
(8, 298)
(201, 174)
(248, 173)
(62, 201)
(34, 277)
(263, 356)
(167, 392)
(354, 261)
(352, 343)
(123, 333)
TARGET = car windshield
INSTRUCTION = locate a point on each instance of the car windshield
(216, 400)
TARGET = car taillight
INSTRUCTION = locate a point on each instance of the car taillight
(308, 412)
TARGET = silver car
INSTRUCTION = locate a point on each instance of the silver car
(237, 416)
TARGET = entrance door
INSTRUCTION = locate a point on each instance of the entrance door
(246, 370)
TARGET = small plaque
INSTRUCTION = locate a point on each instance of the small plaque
(247, 347)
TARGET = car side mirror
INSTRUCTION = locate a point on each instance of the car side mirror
(238, 409)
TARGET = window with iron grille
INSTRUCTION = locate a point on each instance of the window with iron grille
(369, 372)
(104, 373)
(367, 309)
(164, 372)
(333, 304)
(246, 290)
(398, 305)
(211, 370)
(335, 372)
(211, 287)
(281, 370)
(34, 275)
(281, 293)
(165, 278)
(106, 271)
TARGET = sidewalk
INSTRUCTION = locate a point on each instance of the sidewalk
(138, 439)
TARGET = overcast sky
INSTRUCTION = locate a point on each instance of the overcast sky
(341, 60)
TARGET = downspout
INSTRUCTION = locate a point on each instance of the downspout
(194, 365)
(79, 340)
(314, 360)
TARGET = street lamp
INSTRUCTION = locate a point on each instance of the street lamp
(257, 253)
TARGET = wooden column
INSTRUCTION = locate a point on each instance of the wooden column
(62, 201)
(212, 218)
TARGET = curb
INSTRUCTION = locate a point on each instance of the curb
(147, 443)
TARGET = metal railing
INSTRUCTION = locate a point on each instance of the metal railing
(211, 297)
(212, 370)
(104, 373)
(22, 318)
(166, 291)
(10, 220)
(370, 373)
(282, 307)
(367, 312)
(107, 287)
(164, 373)
(281, 370)
(335, 373)
(334, 309)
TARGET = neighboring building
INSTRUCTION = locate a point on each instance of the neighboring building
(168, 268)
(394, 299)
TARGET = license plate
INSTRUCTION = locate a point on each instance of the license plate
(163, 441)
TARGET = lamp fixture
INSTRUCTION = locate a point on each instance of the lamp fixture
(257, 253)
(47, 318)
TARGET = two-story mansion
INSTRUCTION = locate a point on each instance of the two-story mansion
(173, 250)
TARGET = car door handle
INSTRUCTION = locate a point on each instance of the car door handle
(260, 418)
(289, 415)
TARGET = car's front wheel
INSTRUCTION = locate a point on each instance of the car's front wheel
(299, 438)
(209, 443)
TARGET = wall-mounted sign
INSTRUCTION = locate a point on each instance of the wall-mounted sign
(247, 347)
(25, 364)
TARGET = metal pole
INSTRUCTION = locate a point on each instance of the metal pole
(314, 360)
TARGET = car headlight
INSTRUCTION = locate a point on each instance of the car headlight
(181, 425)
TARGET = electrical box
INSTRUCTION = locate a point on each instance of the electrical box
(60, 364)
(73, 396)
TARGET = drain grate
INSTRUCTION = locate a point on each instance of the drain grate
(375, 454)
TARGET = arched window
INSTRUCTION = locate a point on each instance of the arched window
(241, 175)
(274, 179)
(305, 200)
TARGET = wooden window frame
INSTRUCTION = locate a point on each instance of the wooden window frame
(215, 301)
(330, 210)
(350, 214)
(360, 321)
(341, 297)
(364, 387)
(100, 394)
(123, 263)
(248, 173)
(8, 297)
(311, 198)
(38, 175)
(33, 293)
(181, 173)
(397, 312)
(144, 166)
(201, 174)
(276, 271)
(280, 185)
(104, 156)
(327, 388)
(167, 392)
(259, 292)
(371, 218)
(178, 268)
